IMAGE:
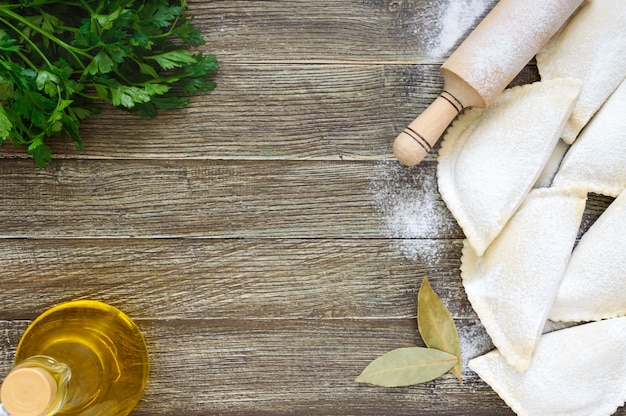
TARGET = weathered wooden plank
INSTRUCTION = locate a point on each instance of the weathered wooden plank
(221, 199)
(278, 367)
(262, 366)
(308, 367)
(270, 112)
(230, 367)
(264, 279)
(279, 112)
(262, 286)
(200, 199)
(326, 30)
(320, 112)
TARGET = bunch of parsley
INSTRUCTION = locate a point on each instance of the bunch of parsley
(59, 59)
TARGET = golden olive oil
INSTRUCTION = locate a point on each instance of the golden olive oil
(104, 350)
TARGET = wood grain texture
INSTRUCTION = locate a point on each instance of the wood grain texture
(230, 367)
(216, 199)
(299, 79)
(254, 235)
(232, 278)
(273, 112)
(326, 30)
(242, 199)
(330, 112)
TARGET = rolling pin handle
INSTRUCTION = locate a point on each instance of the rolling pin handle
(419, 137)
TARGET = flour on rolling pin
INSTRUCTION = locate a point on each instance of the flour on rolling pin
(483, 65)
(456, 20)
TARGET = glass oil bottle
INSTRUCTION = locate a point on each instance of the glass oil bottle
(79, 358)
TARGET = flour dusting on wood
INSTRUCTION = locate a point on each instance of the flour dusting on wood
(474, 341)
(411, 209)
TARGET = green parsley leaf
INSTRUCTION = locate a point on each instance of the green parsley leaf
(5, 125)
(6, 89)
(7, 43)
(189, 34)
(106, 21)
(60, 59)
(173, 59)
(100, 64)
(40, 151)
(48, 82)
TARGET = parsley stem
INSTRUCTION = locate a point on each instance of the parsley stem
(26, 60)
(87, 7)
(183, 6)
(67, 28)
(30, 42)
(72, 50)
(88, 96)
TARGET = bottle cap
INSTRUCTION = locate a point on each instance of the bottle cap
(28, 391)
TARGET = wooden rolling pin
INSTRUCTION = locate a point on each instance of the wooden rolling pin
(483, 65)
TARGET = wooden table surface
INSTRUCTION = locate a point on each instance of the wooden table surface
(256, 236)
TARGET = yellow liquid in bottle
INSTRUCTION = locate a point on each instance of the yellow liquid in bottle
(104, 349)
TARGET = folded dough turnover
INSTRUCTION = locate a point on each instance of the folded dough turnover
(577, 371)
(491, 158)
(552, 166)
(597, 160)
(594, 286)
(512, 287)
(592, 48)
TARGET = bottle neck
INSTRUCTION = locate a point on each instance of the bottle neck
(36, 386)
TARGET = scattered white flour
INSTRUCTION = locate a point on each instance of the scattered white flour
(413, 214)
(411, 209)
(474, 341)
(457, 19)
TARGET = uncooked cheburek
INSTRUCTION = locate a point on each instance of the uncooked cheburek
(491, 158)
(512, 287)
(592, 48)
(578, 371)
(597, 160)
(552, 166)
(594, 285)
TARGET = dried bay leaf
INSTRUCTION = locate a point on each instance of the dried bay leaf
(436, 325)
(407, 366)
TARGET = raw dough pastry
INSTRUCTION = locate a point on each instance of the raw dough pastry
(552, 167)
(512, 287)
(597, 160)
(578, 371)
(594, 286)
(592, 48)
(491, 158)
